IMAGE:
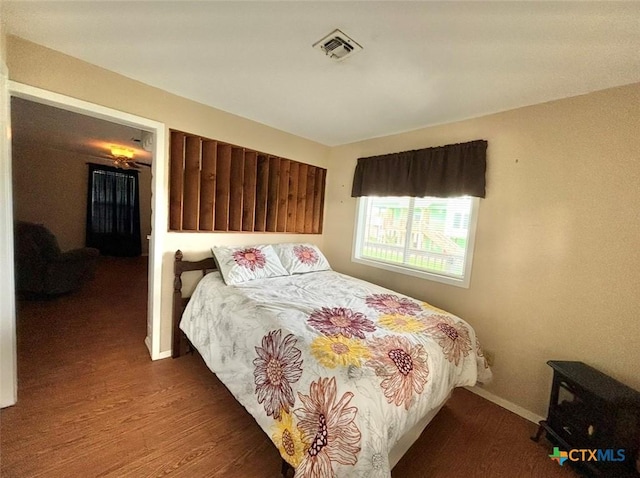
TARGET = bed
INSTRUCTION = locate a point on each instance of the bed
(341, 374)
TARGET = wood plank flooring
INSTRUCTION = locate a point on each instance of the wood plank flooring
(92, 404)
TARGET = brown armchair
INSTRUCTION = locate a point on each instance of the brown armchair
(42, 268)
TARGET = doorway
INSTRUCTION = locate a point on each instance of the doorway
(158, 202)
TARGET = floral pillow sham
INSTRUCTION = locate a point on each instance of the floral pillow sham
(247, 263)
(301, 258)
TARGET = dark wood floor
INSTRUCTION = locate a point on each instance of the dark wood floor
(91, 403)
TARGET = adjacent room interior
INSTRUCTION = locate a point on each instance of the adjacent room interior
(77, 214)
(51, 151)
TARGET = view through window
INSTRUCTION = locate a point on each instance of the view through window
(423, 234)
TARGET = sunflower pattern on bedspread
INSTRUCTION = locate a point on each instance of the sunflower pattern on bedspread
(333, 369)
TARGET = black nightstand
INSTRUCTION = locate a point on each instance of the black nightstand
(589, 410)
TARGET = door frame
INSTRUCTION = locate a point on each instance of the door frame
(8, 362)
(158, 191)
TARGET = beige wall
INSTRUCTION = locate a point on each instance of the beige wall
(3, 35)
(37, 66)
(50, 188)
(556, 272)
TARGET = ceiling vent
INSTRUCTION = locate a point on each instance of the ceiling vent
(337, 46)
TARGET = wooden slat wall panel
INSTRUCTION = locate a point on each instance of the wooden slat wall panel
(191, 194)
(318, 201)
(214, 186)
(237, 179)
(262, 191)
(208, 185)
(223, 178)
(324, 182)
(308, 213)
(272, 195)
(283, 193)
(292, 197)
(176, 160)
(302, 197)
(249, 191)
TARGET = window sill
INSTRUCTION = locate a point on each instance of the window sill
(464, 282)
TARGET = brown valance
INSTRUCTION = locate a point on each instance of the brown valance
(445, 171)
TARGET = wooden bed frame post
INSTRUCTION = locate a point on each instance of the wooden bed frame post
(177, 305)
(180, 341)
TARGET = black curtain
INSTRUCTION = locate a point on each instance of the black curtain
(113, 211)
(444, 171)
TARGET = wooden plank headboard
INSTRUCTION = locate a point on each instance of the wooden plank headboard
(207, 265)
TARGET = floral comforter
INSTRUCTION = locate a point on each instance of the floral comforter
(334, 369)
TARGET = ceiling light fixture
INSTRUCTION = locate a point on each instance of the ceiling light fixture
(122, 157)
(121, 152)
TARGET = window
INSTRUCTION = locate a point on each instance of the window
(112, 199)
(426, 237)
(113, 212)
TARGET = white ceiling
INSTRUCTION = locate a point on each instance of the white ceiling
(423, 63)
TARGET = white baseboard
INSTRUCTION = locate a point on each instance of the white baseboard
(161, 355)
(506, 404)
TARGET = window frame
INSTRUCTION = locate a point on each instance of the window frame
(463, 282)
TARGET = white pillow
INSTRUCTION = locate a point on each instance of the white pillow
(301, 258)
(242, 264)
